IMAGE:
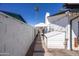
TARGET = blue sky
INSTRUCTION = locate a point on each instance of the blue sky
(26, 10)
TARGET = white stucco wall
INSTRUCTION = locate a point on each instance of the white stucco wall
(15, 36)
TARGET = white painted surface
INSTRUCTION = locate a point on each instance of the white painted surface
(61, 23)
(58, 23)
(68, 35)
(46, 20)
(55, 40)
(15, 36)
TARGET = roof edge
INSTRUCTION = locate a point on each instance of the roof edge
(15, 14)
(58, 13)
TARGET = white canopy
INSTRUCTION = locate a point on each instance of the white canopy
(41, 25)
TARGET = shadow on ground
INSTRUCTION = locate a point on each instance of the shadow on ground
(36, 48)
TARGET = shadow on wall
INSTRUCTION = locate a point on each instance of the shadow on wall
(59, 24)
(75, 26)
(75, 32)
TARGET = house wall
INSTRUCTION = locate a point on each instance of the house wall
(60, 23)
(55, 40)
(15, 36)
(75, 33)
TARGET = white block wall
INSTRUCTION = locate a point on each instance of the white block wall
(15, 36)
(55, 40)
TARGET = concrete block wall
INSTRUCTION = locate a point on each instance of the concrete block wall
(15, 36)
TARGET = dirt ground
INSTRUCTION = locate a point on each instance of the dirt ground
(41, 50)
(61, 52)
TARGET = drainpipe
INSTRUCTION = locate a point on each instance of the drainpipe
(71, 31)
(71, 35)
(70, 22)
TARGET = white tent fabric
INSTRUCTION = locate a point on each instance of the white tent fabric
(41, 25)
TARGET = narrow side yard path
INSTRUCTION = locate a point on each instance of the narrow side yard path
(41, 50)
(38, 48)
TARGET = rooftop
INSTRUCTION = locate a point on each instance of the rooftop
(71, 5)
(17, 16)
